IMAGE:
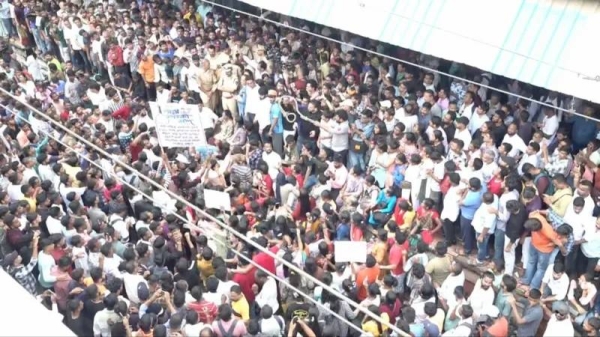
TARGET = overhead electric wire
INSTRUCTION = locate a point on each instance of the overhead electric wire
(241, 236)
(412, 64)
(239, 254)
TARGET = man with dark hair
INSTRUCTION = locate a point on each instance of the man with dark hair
(103, 318)
(543, 241)
(528, 322)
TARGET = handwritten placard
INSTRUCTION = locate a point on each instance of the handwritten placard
(217, 200)
(350, 251)
(179, 125)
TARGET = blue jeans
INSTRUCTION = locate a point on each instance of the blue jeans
(553, 256)
(39, 40)
(499, 245)
(300, 142)
(8, 29)
(536, 267)
(482, 248)
(355, 158)
(467, 234)
(582, 317)
(310, 182)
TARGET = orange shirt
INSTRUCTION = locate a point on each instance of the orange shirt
(370, 274)
(499, 328)
(542, 239)
(146, 69)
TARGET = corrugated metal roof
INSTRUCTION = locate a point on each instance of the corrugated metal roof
(551, 44)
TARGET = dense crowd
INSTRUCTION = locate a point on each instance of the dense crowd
(316, 143)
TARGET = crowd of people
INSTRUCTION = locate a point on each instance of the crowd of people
(315, 142)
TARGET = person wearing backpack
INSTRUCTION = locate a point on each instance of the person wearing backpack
(466, 325)
(226, 325)
(541, 179)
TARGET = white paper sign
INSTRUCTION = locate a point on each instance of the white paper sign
(178, 125)
(350, 251)
(217, 200)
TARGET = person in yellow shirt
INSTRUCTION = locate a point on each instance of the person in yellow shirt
(29, 195)
(146, 69)
(71, 168)
(562, 197)
(380, 250)
(239, 303)
(96, 277)
(373, 327)
(205, 263)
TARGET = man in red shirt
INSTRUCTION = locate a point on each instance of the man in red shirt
(115, 57)
(207, 311)
(397, 258)
(245, 280)
(261, 258)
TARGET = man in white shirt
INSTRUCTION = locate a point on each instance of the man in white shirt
(163, 95)
(338, 175)
(44, 169)
(435, 176)
(131, 281)
(478, 118)
(559, 324)
(484, 223)
(252, 99)
(224, 287)
(104, 319)
(530, 157)
(119, 223)
(455, 279)
(584, 190)
(268, 292)
(549, 125)
(262, 115)
(489, 165)
(590, 247)
(483, 293)
(273, 160)
(29, 172)
(53, 224)
(555, 283)
(191, 75)
(468, 107)
(462, 131)
(208, 119)
(109, 260)
(509, 192)
(512, 138)
(575, 217)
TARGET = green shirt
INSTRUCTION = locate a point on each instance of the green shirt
(502, 303)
